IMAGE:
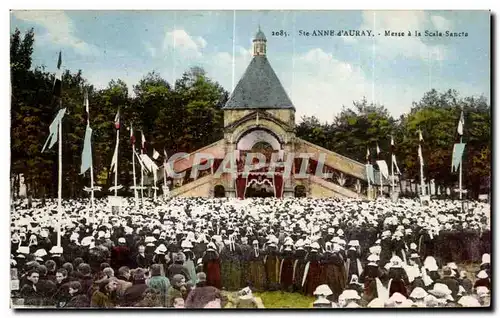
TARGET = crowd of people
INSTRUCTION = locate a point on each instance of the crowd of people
(193, 252)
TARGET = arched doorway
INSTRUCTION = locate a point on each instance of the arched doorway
(300, 191)
(219, 191)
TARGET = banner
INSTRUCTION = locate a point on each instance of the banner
(384, 170)
(87, 151)
(369, 173)
(458, 151)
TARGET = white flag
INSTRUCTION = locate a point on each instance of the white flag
(384, 170)
(148, 163)
(461, 122)
(155, 154)
(395, 163)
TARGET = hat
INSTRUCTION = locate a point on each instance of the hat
(418, 293)
(149, 239)
(340, 232)
(397, 298)
(186, 244)
(23, 250)
(430, 300)
(161, 249)
(40, 253)
(373, 258)
(56, 250)
(375, 249)
(452, 265)
(430, 264)
(376, 303)
(485, 259)
(441, 291)
(323, 290)
(122, 240)
(87, 241)
(315, 246)
(469, 301)
(74, 236)
(211, 246)
(396, 262)
(414, 255)
(482, 274)
(482, 291)
(354, 243)
(350, 294)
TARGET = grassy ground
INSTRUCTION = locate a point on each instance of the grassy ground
(279, 299)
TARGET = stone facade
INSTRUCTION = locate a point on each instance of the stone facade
(260, 105)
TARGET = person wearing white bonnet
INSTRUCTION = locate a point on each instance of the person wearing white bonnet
(454, 269)
(483, 294)
(353, 263)
(376, 303)
(398, 301)
(322, 292)
(189, 260)
(398, 278)
(483, 280)
(442, 294)
(431, 268)
(286, 265)
(312, 272)
(469, 301)
(350, 298)
(485, 263)
(40, 254)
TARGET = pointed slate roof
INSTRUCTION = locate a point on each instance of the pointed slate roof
(259, 87)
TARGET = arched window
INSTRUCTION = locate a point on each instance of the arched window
(300, 191)
(219, 191)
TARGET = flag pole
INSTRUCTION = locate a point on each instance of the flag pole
(116, 164)
(133, 172)
(461, 162)
(142, 169)
(154, 178)
(380, 173)
(165, 178)
(392, 164)
(92, 191)
(59, 182)
(368, 176)
(460, 181)
(142, 185)
(421, 173)
(381, 184)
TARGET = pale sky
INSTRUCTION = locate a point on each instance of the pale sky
(320, 74)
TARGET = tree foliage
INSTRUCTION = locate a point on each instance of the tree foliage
(180, 119)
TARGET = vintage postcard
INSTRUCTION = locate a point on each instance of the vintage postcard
(250, 159)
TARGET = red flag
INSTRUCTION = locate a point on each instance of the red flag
(117, 120)
(132, 137)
